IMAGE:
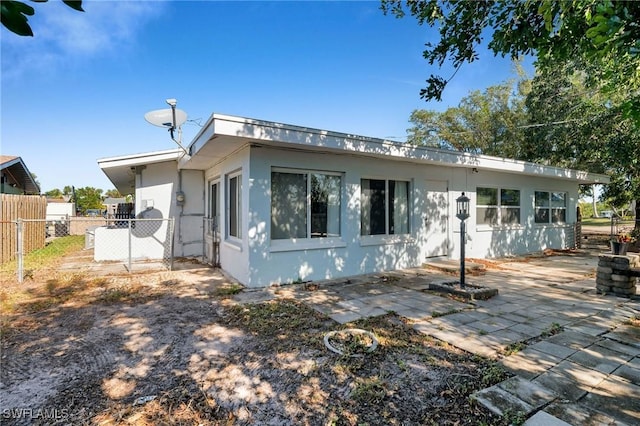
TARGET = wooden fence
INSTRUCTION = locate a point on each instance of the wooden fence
(16, 207)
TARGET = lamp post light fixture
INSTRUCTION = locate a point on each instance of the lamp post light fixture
(462, 213)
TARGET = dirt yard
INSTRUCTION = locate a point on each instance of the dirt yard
(173, 348)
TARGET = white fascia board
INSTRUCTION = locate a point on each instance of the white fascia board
(140, 159)
(201, 138)
(301, 137)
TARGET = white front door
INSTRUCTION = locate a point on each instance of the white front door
(436, 218)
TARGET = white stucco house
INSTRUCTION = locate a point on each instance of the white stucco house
(294, 203)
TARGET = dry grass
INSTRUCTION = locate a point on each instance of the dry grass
(408, 379)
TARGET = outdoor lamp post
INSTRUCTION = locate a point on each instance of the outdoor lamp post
(462, 208)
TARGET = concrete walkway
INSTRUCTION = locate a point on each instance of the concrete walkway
(574, 355)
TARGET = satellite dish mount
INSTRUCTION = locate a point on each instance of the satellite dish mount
(170, 119)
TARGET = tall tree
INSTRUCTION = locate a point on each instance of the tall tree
(601, 32)
(113, 193)
(584, 129)
(599, 38)
(35, 179)
(54, 193)
(488, 122)
(14, 14)
(88, 198)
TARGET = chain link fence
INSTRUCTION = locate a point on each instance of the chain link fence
(30, 245)
(135, 242)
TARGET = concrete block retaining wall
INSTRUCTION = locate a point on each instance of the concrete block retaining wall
(616, 274)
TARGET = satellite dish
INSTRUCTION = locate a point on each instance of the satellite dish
(164, 118)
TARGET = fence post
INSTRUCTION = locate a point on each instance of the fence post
(130, 245)
(20, 253)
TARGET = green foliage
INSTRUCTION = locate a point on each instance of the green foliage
(604, 34)
(369, 390)
(437, 314)
(35, 179)
(514, 347)
(113, 193)
(54, 193)
(554, 118)
(514, 417)
(88, 198)
(49, 254)
(227, 290)
(551, 330)
(14, 14)
(488, 122)
(492, 374)
(587, 213)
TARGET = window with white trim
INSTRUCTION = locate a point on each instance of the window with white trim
(497, 206)
(550, 207)
(305, 204)
(234, 205)
(384, 207)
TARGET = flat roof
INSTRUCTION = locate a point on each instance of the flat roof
(222, 135)
(225, 134)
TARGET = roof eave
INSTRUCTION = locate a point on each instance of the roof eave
(121, 170)
(279, 134)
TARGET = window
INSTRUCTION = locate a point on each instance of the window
(385, 207)
(550, 207)
(234, 203)
(305, 205)
(495, 206)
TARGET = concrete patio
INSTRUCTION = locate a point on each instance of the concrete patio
(580, 360)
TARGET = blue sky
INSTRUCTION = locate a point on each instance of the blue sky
(79, 89)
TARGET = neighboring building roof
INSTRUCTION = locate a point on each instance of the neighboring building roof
(121, 170)
(18, 174)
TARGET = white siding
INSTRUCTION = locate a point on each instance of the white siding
(234, 255)
(256, 261)
(354, 254)
(189, 225)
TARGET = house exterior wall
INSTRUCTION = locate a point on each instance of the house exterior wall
(189, 226)
(155, 199)
(256, 260)
(156, 188)
(234, 252)
(351, 254)
(485, 241)
(156, 185)
(112, 244)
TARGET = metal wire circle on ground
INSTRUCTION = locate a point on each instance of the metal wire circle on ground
(354, 337)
